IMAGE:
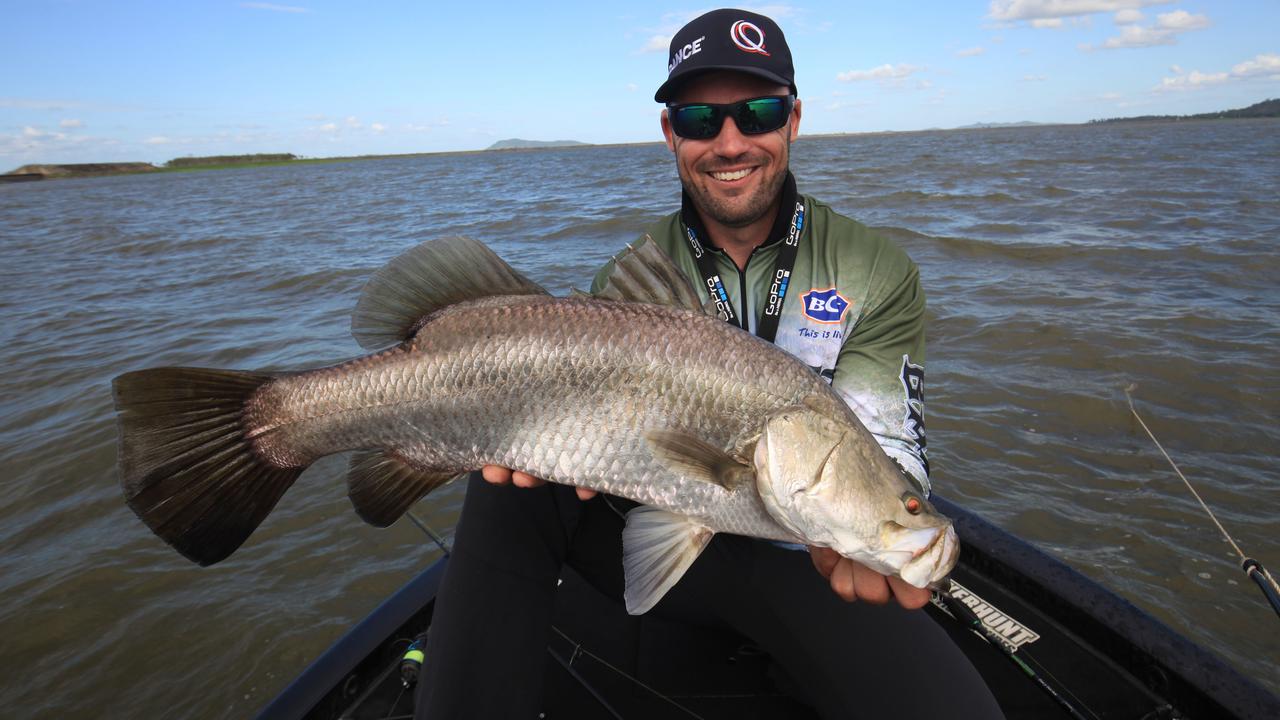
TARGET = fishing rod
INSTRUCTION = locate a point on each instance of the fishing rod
(1251, 567)
(967, 617)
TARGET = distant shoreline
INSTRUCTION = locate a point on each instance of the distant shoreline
(1268, 109)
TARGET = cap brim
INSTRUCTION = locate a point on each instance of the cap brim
(669, 88)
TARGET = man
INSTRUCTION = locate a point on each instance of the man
(821, 286)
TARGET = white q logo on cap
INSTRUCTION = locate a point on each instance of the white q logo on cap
(738, 33)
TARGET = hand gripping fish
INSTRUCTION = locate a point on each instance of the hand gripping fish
(637, 391)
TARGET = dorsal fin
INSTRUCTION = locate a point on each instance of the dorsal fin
(644, 273)
(433, 275)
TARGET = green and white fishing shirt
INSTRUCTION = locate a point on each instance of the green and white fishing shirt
(853, 311)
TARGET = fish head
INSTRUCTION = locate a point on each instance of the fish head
(823, 477)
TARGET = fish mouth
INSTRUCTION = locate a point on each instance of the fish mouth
(935, 561)
(924, 555)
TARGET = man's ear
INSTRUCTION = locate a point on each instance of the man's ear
(795, 120)
(667, 133)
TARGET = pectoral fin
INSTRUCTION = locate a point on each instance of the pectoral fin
(657, 548)
(696, 458)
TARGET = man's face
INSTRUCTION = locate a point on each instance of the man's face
(733, 179)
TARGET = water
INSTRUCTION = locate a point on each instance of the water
(1062, 264)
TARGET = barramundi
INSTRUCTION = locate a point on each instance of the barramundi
(638, 391)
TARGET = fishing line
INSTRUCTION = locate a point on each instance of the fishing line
(579, 650)
(1252, 568)
(439, 541)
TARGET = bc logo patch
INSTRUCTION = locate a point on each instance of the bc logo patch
(824, 306)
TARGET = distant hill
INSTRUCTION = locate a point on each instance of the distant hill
(979, 126)
(1264, 109)
(70, 170)
(518, 144)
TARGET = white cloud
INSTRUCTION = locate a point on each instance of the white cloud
(971, 52)
(1181, 21)
(884, 73)
(632, 87)
(1260, 66)
(1046, 23)
(158, 140)
(329, 128)
(1034, 78)
(1165, 32)
(1136, 36)
(657, 43)
(1128, 17)
(352, 122)
(377, 127)
(1014, 10)
(274, 8)
(70, 123)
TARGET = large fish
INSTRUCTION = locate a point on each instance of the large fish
(637, 392)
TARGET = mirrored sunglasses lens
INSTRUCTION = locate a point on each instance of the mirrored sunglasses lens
(696, 121)
(761, 115)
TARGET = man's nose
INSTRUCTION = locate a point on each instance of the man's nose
(731, 142)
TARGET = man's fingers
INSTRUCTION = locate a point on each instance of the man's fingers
(870, 585)
(499, 475)
(855, 581)
(842, 581)
(824, 560)
(496, 474)
(525, 480)
(909, 596)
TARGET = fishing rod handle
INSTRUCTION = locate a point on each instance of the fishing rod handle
(1254, 570)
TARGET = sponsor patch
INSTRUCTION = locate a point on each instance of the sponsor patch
(748, 37)
(913, 425)
(1013, 634)
(824, 306)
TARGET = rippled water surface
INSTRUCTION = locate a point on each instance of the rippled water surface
(1062, 264)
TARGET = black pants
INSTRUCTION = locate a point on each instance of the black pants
(493, 615)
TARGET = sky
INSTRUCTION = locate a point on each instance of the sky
(99, 81)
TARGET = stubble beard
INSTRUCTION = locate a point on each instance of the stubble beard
(734, 214)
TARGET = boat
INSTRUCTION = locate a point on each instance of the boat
(1049, 642)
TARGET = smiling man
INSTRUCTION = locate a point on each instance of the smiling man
(823, 287)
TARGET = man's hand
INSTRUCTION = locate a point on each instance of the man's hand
(499, 475)
(853, 581)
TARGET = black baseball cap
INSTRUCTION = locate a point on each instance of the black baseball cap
(728, 39)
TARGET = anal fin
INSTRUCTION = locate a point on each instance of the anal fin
(657, 548)
(382, 486)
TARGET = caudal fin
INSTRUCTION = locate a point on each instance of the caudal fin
(187, 468)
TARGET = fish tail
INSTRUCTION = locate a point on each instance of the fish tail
(188, 468)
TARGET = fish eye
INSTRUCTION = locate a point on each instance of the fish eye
(912, 503)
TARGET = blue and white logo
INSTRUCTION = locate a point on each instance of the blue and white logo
(824, 306)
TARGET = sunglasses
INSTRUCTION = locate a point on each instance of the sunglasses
(702, 121)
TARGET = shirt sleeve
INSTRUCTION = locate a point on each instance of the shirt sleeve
(880, 369)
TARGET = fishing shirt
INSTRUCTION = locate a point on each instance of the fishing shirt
(853, 311)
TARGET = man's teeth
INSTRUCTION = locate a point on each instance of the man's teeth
(735, 175)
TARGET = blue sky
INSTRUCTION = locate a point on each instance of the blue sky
(92, 81)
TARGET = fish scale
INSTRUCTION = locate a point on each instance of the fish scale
(562, 388)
